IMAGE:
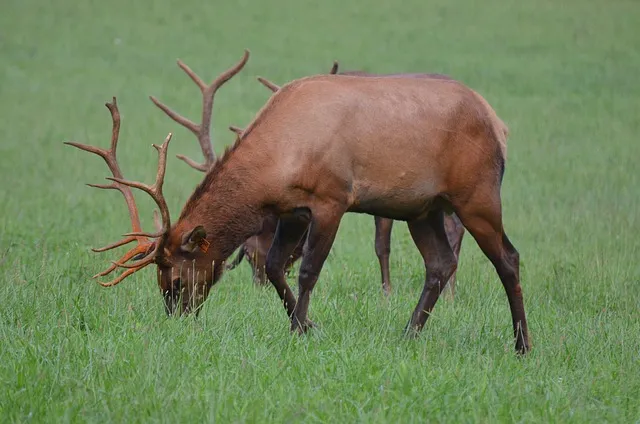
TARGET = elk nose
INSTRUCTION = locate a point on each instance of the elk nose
(172, 296)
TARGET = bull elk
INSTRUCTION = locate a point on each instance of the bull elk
(410, 149)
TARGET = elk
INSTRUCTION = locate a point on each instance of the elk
(409, 149)
(254, 249)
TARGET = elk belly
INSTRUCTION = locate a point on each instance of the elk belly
(399, 202)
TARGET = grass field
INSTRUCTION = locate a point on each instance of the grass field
(562, 75)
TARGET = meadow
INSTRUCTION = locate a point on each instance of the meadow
(562, 75)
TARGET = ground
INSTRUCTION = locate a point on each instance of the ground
(563, 76)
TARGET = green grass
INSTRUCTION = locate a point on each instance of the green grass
(562, 75)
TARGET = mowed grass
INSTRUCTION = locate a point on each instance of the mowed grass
(563, 76)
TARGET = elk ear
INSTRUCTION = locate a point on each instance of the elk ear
(195, 239)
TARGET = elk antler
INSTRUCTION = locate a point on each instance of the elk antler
(202, 130)
(271, 86)
(235, 129)
(144, 244)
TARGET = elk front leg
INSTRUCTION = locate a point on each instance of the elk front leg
(289, 232)
(383, 249)
(431, 240)
(322, 233)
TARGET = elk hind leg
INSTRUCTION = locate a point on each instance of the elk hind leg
(383, 249)
(482, 217)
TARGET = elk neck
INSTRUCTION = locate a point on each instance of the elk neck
(230, 201)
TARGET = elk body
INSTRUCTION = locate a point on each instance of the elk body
(410, 149)
(255, 249)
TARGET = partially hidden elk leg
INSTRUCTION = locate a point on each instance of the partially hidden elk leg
(296, 254)
(322, 233)
(236, 261)
(455, 231)
(383, 249)
(259, 263)
(431, 240)
(482, 217)
(288, 234)
(256, 248)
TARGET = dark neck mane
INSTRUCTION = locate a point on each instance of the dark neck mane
(228, 204)
(211, 175)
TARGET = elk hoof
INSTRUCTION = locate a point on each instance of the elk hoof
(301, 328)
(411, 331)
(522, 347)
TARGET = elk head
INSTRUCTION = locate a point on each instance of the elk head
(185, 266)
(185, 273)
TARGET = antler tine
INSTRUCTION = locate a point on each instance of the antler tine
(119, 243)
(202, 167)
(105, 186)
(148, 259)
(194, 77)
(103, 153)
(121, 277)
(185, 122)
(231, 72)
(271, 86)
(115, 129)
(235, 129)
(334, 68)
(202, 130)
